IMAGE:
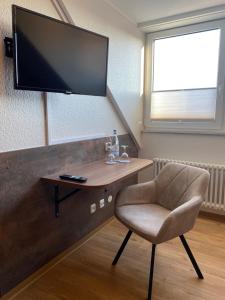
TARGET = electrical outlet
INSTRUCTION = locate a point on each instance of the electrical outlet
(110, 198)
(93, 208)
(101, 203)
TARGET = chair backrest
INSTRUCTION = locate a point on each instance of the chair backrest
(178, 183)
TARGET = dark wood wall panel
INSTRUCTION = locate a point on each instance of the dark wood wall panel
(30, 235)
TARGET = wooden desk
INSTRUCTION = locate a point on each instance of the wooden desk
(99, 174)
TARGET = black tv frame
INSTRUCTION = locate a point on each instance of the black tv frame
(14, 56)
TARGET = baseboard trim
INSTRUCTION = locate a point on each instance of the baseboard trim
(212, 216)
(51, 264)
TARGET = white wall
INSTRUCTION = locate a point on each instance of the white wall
(190, 147)
(124, 74)
(22, 123)
(21, 113)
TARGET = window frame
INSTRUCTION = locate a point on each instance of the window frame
(186, 126)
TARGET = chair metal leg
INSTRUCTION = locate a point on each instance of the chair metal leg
(191, 256)
(120, 251)
(151, 272)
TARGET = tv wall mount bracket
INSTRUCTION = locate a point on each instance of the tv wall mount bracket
(8, 47)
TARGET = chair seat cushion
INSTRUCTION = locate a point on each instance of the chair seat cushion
(144, 219)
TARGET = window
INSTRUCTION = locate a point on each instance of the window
(184, 82)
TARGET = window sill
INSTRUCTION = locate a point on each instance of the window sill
(185, 131)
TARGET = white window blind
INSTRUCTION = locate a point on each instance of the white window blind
(185, 70)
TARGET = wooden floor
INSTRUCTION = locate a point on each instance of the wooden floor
(87, 272)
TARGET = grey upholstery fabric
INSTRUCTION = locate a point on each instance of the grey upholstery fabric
(166, 207)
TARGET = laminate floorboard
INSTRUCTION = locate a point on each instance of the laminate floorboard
(87, 273)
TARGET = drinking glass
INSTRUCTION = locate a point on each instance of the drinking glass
(124, 158)
(110, 159)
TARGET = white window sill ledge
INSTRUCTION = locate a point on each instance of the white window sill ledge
(183, 131)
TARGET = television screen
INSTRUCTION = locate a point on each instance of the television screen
(53, 56)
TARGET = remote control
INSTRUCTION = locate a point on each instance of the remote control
(73, 178)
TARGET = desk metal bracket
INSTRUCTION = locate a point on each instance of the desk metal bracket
(58, 200)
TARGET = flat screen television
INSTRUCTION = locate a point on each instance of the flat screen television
(53, 56)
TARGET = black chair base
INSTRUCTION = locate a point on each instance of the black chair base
(191, 256)
(120, 251)
(151, 272)
(186, 247)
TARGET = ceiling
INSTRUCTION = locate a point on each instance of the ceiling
(147, 10)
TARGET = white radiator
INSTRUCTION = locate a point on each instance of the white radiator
(215, 196)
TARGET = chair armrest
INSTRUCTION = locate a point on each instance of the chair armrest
(180, 220)
(141, 193)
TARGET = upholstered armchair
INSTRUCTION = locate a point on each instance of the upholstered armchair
(163, 209)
